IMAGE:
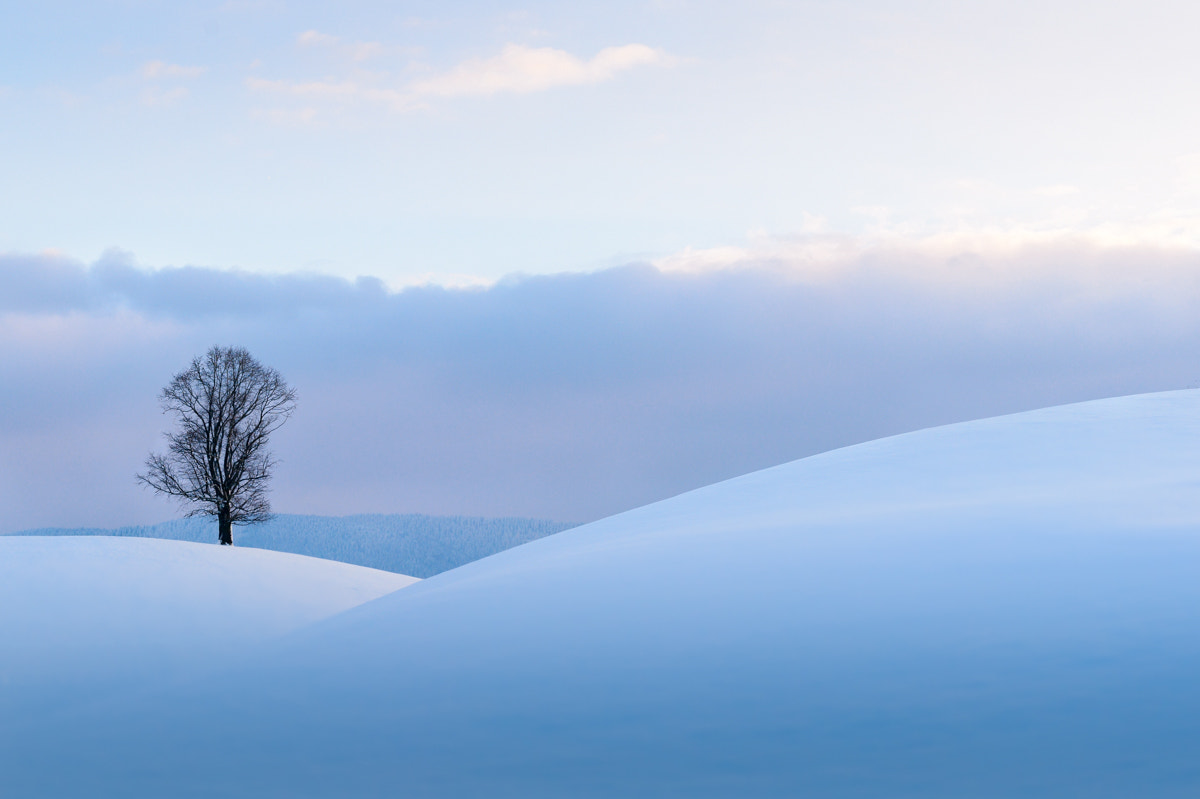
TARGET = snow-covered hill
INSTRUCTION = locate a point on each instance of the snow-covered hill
(412, 544)
(1002, 608)
(88, 619)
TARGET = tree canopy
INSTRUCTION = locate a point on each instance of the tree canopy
(226, 405)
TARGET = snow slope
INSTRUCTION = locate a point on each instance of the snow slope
(412, 544)
(82, 619)
(1001, 608)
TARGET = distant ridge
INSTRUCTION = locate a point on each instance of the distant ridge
(413, 544)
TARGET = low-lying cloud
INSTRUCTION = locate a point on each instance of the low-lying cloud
(570, 396)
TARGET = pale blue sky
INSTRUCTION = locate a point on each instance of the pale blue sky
(415, 141)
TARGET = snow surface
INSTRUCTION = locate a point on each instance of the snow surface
(412, 544)
(82, 619)
(1001, 608)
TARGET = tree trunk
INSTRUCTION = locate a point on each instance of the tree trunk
(226, 528)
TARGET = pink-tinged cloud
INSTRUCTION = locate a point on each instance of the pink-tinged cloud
(521, 70)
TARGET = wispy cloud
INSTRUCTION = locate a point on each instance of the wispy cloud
(516, 70)
(342, 91)
(520, 69)
(161, 69)
(310, 38)
(355, 51)
(938, 255)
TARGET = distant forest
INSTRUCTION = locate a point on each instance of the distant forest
(421, 546)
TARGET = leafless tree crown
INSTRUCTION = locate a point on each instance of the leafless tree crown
(226, 405)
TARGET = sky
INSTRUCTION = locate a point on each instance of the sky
(560, 260)
(460, 142)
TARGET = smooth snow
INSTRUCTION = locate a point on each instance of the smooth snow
(83, 618)
(1001, 608)
(412, 544)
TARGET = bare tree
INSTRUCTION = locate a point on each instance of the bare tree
(227, 405)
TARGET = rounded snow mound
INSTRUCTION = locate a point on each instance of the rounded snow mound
(1008, 607)
(84, 618)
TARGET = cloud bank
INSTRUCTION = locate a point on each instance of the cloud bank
(575, 395)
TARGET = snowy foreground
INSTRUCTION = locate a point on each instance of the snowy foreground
(1004, 608)
(85, 619)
